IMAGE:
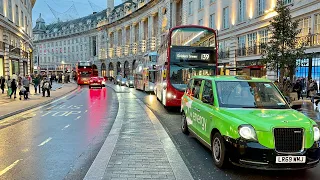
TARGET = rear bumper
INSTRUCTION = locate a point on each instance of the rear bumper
(256, 156)
(95, 85)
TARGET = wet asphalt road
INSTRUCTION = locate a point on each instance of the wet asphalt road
(59, 140)
(198, 158)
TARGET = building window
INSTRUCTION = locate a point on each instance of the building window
(26, 22)
(242, 41)
(304, 25)
(190, 7)
(242, 10)
(77, 48)
(17, 15)
(200, 4)
(287, 2)
(252, 39)
(200, 22)
(263, 36)
(81, 48)
(317, 24)
(10, 9)
(261, 7)
(21, 19)
(64, 49)
(225, 17)
(1, 7)
(72, 48)
(211, 22)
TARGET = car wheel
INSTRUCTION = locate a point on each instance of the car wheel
(184, 125)
(219, 154)
(89, 87)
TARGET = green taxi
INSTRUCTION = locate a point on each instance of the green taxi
(248, 122)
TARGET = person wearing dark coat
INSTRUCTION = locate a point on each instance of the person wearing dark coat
(298, 88)
(13, 88)
(2, 84)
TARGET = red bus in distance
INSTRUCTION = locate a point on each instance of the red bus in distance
(84, 72)
(187, 51)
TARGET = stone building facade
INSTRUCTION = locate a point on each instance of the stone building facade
(16, 47)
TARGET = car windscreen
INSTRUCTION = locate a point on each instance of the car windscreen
(244, 94)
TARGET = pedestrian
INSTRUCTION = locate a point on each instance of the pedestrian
(36, 83)
(312, 90)
(13, 87)
(46, 87)
(297, 88)
(14, 76)
(26, 85)
(22, 91)
(2, 83)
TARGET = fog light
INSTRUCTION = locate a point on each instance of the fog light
(174, 96)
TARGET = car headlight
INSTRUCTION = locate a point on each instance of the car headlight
(131, 82)
(151, 87)
(247, 132)
(316, 133)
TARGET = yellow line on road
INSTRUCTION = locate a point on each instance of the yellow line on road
(44, 142)
(9, 167)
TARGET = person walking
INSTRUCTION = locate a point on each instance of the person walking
(312, 90)
(46, 88)
(13, 87)
(297, 88)
(26, 85)
(2, 83)
(36, 83)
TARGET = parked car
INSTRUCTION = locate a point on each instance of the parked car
(118, 80)
(130, 81)
(123, 81)
(95, 82)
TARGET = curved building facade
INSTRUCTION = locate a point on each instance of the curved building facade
(16, 47)
(135, 28)
(59, 46)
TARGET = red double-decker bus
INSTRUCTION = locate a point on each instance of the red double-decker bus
(188, 50)
(84, 72)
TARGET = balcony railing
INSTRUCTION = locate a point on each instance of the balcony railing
(223, 54)
(110, 52)
(251, 50)
(134, 48)
(152, 43)
(143, 46)
(309, 41)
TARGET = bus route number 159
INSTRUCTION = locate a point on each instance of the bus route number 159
(205, 56)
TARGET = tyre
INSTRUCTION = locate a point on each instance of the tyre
(184, 124)
(89, 87)
(219, 153)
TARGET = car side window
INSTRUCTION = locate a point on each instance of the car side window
(196, 88)
(207, 93)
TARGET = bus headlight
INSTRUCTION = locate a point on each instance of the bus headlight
(316, 133)
(169, 95)
(151, 87)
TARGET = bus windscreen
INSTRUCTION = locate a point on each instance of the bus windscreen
(193, 36)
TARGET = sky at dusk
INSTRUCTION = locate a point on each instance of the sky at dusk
(65, 10)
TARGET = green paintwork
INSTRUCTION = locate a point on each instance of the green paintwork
(227, 120)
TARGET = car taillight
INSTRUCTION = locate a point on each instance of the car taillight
(91, 81)
(99, 81)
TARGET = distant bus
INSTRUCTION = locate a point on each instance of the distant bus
(84, 72)
(144, 76)
(187, 51)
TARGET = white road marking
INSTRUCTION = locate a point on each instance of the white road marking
(44, 142)
(77, 118)
(9, 167)
(65, 127)
(86, 111)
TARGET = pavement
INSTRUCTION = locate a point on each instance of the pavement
(138, 147)
(13, 106)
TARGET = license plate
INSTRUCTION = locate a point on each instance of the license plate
(290, 159)
(86, 82)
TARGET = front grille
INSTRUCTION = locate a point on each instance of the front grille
(288, 139)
